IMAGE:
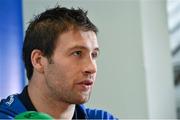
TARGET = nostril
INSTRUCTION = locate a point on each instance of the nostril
(90, 71)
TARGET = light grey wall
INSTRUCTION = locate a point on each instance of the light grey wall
(122, 86)
(157, 59)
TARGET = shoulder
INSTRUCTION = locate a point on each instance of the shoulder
(97, 113)
(10, 107)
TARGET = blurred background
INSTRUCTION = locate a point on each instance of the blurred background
(139, 66)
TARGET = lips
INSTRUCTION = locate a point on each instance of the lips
(85, 85)
(86, 82)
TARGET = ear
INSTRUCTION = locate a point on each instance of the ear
(37, 60)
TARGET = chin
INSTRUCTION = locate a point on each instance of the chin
(82, 99)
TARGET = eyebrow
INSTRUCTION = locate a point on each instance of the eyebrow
(83, 47)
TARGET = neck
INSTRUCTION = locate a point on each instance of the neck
(47, 104)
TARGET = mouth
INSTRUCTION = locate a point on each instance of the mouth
(86, 82)
(85, 85)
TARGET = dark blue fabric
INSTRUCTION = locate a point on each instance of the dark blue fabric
(12, 106)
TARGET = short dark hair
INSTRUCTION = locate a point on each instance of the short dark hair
(44, 29)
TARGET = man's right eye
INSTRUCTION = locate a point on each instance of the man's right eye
(77, 53)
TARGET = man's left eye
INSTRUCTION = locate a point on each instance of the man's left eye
(94, 55)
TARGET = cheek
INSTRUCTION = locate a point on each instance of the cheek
(64, 71)
(53, 72)
(61, 73)
(70, 67)
(56, 78)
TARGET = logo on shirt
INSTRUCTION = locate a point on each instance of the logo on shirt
(10, 100)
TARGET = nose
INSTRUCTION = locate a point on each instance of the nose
(90, 67)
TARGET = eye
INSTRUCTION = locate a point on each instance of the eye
(94, 55)
(77, 53)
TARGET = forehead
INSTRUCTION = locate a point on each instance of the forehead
(74, 38)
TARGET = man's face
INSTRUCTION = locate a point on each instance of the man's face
(72, 73)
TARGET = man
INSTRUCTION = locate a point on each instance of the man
(60, 51)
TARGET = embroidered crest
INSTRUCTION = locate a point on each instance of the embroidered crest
(10, 100)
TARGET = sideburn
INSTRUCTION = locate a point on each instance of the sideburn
(50, 60)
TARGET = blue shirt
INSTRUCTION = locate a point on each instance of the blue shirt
(13, 105)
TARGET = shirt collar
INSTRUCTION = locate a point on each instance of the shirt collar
(79, 112)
